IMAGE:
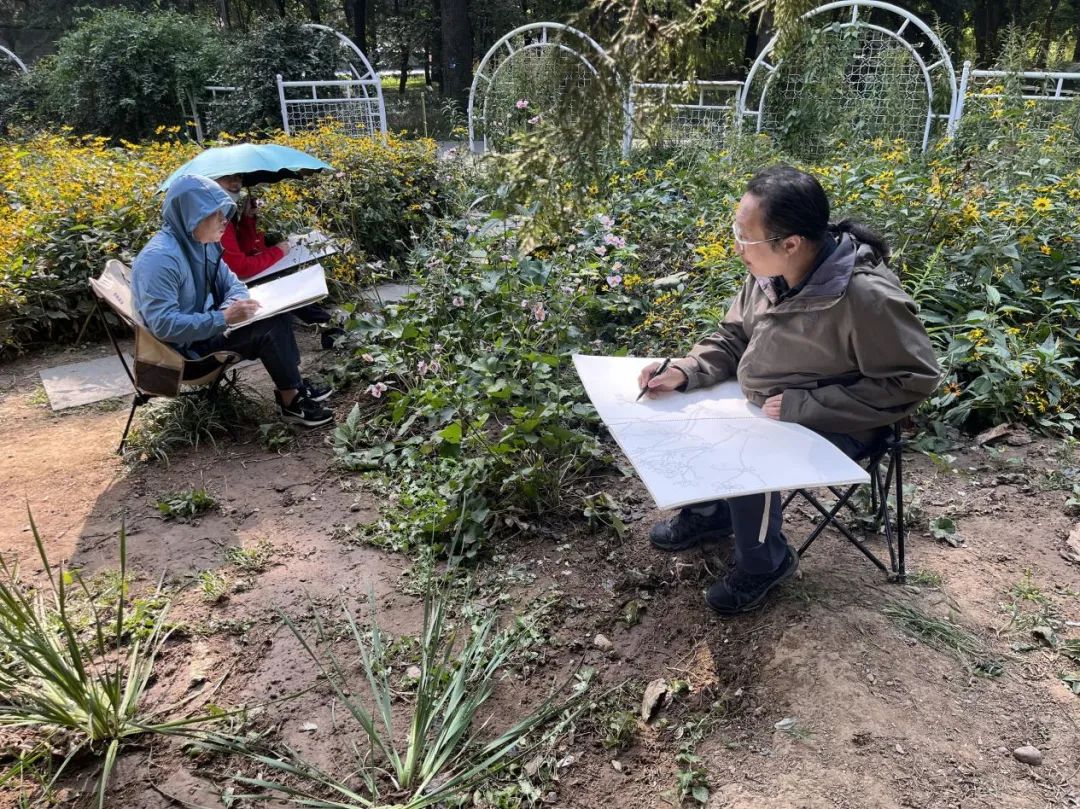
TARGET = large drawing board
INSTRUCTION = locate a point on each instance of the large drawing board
(709, 443)
(303, 249)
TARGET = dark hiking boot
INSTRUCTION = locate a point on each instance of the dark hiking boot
(689, 529)
(744, 592)
(316, 391)
(330, 338)
(304, 411)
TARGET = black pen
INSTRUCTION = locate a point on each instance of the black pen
(653, 375)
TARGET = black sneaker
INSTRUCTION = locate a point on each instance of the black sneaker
(303, 410)
(316, 391)
(329, 338)
(743, 592)
(688, 529)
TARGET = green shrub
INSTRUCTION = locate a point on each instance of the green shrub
(119, 72)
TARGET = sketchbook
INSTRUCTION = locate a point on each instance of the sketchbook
(287, 293)
(303, 249)
(707, 444)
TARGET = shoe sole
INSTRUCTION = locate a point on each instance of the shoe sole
(291, 419)
(708, 538)
(760, 600)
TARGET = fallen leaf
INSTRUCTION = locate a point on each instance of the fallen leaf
(655, 693)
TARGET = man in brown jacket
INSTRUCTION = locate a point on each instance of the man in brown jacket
(822, 335)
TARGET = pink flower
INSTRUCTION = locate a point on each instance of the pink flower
(535, 119)
(524, 303)
(570, 248)
(367, 358)
(434, 367)
(458, 301)
(539, 312)
(606, 221)
(600, 250)
(616, 266)
(376, 390)
(470, 229)
(506, 257)
(614, 241)
(522, 104)
(614, 280)
(421, 368)
(437, 348)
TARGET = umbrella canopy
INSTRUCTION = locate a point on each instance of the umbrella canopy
(258, 162)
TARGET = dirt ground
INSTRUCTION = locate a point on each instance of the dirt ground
(877, 718)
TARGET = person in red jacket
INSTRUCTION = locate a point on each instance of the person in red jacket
(247, 254)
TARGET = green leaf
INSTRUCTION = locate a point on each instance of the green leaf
(451, 434)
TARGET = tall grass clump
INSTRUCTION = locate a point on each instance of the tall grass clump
(431, 751)
(62, 679)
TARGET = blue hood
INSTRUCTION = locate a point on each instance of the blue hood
(190, 200)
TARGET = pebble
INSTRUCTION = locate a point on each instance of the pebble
(1028, 755)
(603, 644)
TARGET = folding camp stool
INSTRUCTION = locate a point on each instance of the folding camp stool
(159, 369)
(883, 461)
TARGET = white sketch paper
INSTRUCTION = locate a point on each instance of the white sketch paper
(287, 293)
(709, 443)
(303, 248)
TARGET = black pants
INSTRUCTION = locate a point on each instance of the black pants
(312, 313)
(270, 341)
(756, 519)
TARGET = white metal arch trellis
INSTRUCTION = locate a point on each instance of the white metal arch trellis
(18, 62)
(754, 105)
(533, 40)
(357, 103)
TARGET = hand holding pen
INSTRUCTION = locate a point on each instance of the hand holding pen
(659, 378)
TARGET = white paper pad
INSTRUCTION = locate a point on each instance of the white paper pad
(709, 443)
(303, 248)
(82, 383)
(287, 293)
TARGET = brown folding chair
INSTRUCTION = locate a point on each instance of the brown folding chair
(159, 369)
(884, 462)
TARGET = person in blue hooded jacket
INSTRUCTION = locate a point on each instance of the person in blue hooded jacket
(188, 297)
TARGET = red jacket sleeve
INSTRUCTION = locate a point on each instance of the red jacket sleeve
(245, 252)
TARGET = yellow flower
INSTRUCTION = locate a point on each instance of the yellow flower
(1045, 249)
(1042, 204)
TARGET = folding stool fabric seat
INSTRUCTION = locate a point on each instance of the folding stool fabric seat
(159, 369)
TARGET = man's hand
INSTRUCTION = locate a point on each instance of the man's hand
(241, 310)
(249, 207)
(771, 408)
(285, 246)
(671, 379)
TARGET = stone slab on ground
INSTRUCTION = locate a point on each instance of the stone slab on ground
(83, 383)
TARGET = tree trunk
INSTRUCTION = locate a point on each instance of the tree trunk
(436, 45)
(750, 46)
(359, 25)
(283, 12)
(403, 82)
(427, 63)
(456, 50)
(223, 13)
(313, 10)
(987, 16)
(1042, 52)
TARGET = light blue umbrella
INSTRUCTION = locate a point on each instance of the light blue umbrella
(257, 162)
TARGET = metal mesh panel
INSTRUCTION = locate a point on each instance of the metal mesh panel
(1040, 103)
(356, 116)
(678, 114)
(845, 84)
(544, 73)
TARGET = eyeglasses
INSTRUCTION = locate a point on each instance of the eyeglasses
(739, 240)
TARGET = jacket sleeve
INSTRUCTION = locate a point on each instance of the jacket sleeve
(716, 357)
(897, 367)
(159, 308)
(233, 288)
(244, 252)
